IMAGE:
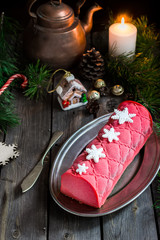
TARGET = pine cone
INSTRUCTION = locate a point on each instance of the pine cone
(93, 106)
(92, 65)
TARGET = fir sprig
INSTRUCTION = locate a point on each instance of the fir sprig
(8, 55)
(147, 37)
(8, 67)
(38, 76)
(8, 117)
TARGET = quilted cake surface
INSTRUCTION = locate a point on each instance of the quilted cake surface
(95, 172)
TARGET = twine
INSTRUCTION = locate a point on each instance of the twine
(51, 78)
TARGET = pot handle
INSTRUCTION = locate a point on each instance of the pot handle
(30, 4)
(79, 4)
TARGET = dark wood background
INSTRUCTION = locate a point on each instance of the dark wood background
(135, 8)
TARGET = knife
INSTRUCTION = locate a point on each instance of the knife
(32, 177)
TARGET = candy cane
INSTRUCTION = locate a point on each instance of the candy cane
(23, 85)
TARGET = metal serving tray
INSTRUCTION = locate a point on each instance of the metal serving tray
(136, 178)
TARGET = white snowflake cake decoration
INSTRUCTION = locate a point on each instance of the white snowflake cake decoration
(94, 153)
(123, 116)
(7, 152)
(111, 134)
(81, 168)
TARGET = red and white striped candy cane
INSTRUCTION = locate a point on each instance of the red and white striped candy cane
(23, 85)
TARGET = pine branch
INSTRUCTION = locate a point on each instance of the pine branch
(7, 116)
(147, 37)
(8, 60)
(8, 67)
(38, 76)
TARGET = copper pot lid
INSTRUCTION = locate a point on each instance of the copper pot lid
(55, 14)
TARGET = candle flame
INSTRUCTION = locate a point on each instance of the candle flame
(122, 20)
(126, 16)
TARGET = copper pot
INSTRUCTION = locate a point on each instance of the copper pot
(55, 36)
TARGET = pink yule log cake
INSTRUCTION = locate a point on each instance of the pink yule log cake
(95, 172)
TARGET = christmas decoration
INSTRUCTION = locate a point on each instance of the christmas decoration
(23, 85)
(93, 95)
(94, 153)
(100, 85)
(117, 90)
(7, 152)
(92, 65)
(71, 92)
(84, 98)
(122, 38)
(81, 168)
(123, 116)
(111, 134)
(65, 103)
(7, 118)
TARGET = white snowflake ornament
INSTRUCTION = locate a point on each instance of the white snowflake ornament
(111, 134)
(94, 153)
(7, 152)
(123, 116)
(81, 168)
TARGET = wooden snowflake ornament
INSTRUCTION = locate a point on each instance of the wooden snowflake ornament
(7, 152)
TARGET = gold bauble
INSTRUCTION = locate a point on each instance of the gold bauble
(117, 90)
(93, 95)
(99, 83)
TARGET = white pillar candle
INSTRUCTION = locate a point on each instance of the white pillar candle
(122, 38)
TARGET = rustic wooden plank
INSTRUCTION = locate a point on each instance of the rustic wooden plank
(24, 215)
(100, 40)
(63, 225)
(135, 221)
(155, 186)
(2, 136)
(1, 200)
(156, 202)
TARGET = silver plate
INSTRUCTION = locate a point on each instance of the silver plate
(136, 178)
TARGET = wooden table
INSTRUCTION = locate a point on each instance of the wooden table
(34, 215)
